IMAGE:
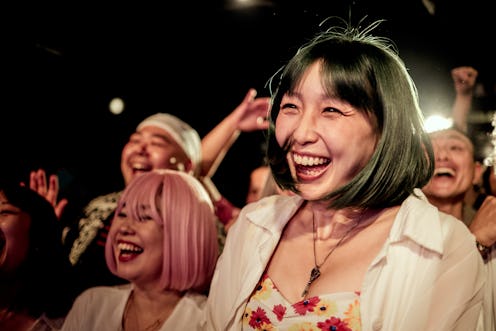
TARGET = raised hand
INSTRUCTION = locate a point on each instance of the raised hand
(249, 115)
(464, 79)
(47, 189)
(252, 112)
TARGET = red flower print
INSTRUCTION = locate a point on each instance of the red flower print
(279, 311)
(333, 324)
(306, 305)
(258, 317)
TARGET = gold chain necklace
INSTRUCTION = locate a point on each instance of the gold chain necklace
(315, 272)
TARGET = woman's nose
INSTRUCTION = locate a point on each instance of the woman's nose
(305, 130)
(126, 226)
(440, 153)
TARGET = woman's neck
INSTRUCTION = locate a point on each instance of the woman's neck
(148, 310)
(333, 223)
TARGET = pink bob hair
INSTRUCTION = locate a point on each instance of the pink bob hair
(183, 207)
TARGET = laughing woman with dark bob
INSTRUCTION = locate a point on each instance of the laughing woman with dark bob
(358, 247)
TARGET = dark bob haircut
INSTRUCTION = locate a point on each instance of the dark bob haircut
(366, 72)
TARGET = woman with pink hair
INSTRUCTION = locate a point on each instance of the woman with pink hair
(163, 240)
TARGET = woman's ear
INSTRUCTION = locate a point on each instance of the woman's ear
(478, 171)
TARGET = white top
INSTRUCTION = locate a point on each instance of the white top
(428, 275)
(101, 309)
(490, 297)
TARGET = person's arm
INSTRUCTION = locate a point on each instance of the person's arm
(249, 115)
(464, 79)
(483, 226)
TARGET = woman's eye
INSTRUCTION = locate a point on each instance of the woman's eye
(456, 148)
(7, 209)
(288, 108)
(288, 105)
(144, 218)
(332, 110)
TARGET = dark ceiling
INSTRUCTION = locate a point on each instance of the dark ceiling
(195, 60)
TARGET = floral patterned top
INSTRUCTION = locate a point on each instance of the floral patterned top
(267, 309)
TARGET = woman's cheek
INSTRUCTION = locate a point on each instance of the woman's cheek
(281, 131)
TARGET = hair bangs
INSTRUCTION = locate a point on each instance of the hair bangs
(140, 200)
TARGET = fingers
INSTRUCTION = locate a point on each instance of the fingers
(37, 181)
(53, 189)
(250, 95)
(252, 113)
(59, 207)
(47, 189)
(261, 104)
(464, 75)
(261, 107)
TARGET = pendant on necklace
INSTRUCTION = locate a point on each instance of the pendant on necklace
(314, 274)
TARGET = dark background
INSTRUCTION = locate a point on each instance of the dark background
(195, 60)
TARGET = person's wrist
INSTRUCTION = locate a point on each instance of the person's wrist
(483, 249)
(464, 93)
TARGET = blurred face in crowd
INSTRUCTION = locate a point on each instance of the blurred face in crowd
(258, 178)
(14, 236)
(455, 168)
(152, 148)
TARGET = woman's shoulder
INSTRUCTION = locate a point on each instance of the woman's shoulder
(274, 202)
(446, 221)
(424, 223)
(453, 224)
(270, 211)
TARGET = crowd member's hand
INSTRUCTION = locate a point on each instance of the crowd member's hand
(250, 115)
(252, 112)
(464, 79)
(47, 189)
(483, 226)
